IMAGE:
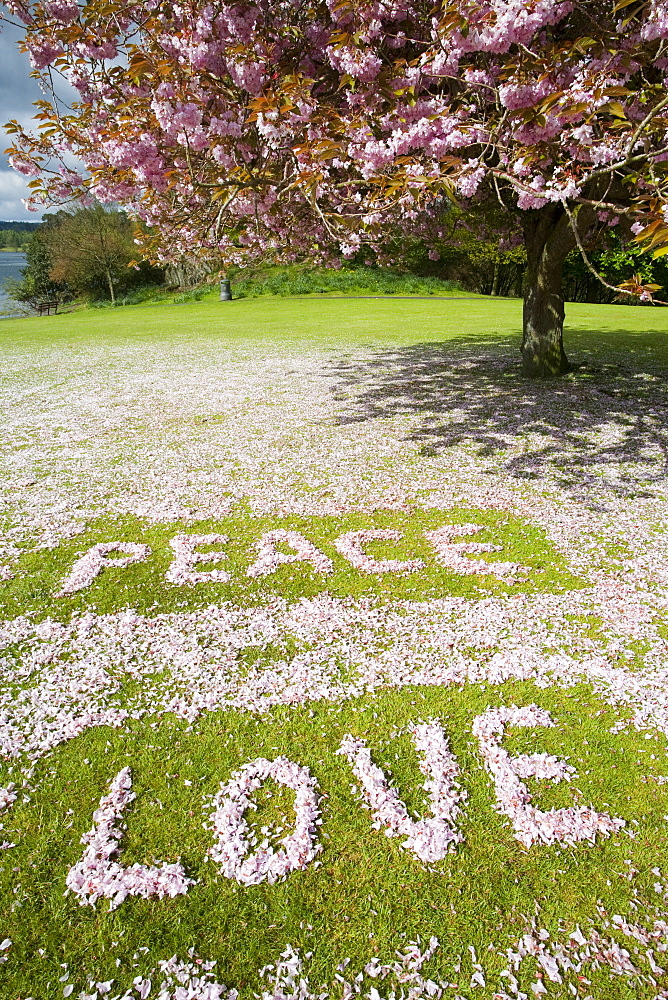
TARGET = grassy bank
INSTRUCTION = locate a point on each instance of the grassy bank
(294, 280)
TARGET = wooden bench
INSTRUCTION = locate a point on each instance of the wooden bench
(44, 308)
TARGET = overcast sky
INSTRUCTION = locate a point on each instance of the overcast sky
(17, 93)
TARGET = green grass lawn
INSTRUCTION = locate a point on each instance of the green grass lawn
(324, 417)
(335, 320)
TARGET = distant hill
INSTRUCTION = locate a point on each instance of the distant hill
(20, 227)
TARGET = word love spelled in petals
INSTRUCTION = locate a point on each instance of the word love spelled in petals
(95, 560)
(431, 838)
(96, 876)
(351, 548)
(233, 837)
(531, 825)
(186, 557)
(452, 555)
(269, 558)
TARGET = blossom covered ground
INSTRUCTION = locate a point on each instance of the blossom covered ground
(332, 662)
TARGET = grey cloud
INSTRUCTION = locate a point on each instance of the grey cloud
(18, 91)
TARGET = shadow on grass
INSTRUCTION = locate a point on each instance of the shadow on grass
(604, 425)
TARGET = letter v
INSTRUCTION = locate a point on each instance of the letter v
(430, 838)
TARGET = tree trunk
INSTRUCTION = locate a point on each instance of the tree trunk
(496, 278)
(110, 282)
(548, 240)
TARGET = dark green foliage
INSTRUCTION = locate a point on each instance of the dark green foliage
(471, 263)
(616, 261)
(89, 253)
(20, 227)
(15, 235)
(12, 239)
(37, 284)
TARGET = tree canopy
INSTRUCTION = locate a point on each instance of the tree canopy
(287, 127)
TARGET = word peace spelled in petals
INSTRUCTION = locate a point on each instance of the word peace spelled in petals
(531, 825)
(96, 876)
(452, 555)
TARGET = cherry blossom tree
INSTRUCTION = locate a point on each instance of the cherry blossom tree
(297, 127)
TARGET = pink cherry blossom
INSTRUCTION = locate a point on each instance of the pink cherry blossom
(345, 124)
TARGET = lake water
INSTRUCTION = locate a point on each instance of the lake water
(11, 264)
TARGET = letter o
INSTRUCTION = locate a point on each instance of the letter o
(232, 801)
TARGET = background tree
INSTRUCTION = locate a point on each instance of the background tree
(85, 252)
(478, 249)
(280, 127)
(90, 251)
